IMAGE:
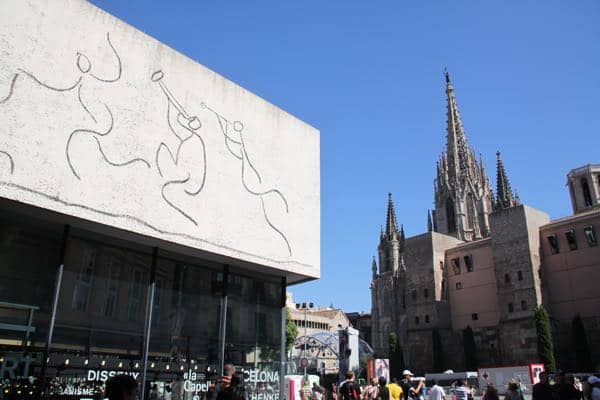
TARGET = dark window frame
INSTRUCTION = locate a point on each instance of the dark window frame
(458, 286)
(475, 317)
(590, 235)
(571, 239)
(455, 265)
(511, 307)
(468, 259)
(554, 244)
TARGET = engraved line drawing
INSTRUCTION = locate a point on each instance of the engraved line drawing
(184, 129)
(84, 65)
(10, 92)
(236, 146)
(58, 199)
(10, 159)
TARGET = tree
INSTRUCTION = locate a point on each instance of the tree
(438, 351)
(544, 339)
(291, 331)
(396, 357)
(583, 361)
(470, 349)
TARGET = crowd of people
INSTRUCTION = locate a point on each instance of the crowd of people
(565, 387)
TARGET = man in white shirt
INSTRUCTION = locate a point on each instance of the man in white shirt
(436, 392)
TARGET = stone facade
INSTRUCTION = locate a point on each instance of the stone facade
(486, 263)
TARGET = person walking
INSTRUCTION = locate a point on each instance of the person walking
(371, 392)
(436, 392)
(459, 391)
(491, 393)
(542, 390)
(513, 392)
(348, 388)
(407, 389)
(121, 387)
(395, 389)
(383, 393)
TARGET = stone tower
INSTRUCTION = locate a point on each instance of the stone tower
(463, 194)
(584, 187)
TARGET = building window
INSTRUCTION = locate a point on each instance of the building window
(590, 235)
(553, 240)
(135, 296)
(511, 307)
(427, 319)
(520, 275)
(416, 320)
(456, 265)
(570, 235)
(458, 286)
(442, 265)
(112, 287)
(414, 295)
(506, 278)
(83, 282)
(587, 196)
(425, 293)
(468, 263)
(474, 317)
(523, 305)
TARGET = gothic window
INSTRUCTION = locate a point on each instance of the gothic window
(458, 286)
(474, 316)
(587, 196)
(450, 216)
(523, 305)
(425, 293)
(571, 240)
(506, 278)
(553, 241)
(427, 319)
(468, 263)
(456, 265)
(520, 275)
(511, 307)
(590, 235)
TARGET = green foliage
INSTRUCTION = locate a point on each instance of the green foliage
(291, 331)
(438, 351)
(583, 360)
(396, 357)
(544, 339)
(470, 349)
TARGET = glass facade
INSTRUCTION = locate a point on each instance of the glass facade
(123, 308)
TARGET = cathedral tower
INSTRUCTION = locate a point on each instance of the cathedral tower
(463, 194)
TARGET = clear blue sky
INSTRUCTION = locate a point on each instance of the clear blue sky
(368, 74)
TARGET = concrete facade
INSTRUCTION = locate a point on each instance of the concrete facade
(489, 276)
(138, 140)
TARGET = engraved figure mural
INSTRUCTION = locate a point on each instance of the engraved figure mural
(110, 126)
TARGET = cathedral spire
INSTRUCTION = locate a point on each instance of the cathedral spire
(462, 189)
(391, 226)
(374, 268)
(504, 194)
(429, 223)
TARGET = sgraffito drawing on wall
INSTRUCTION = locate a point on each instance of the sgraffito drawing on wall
(190, 154)
(171, 162)
(234, 141)
(84, 66)
(185, 128)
